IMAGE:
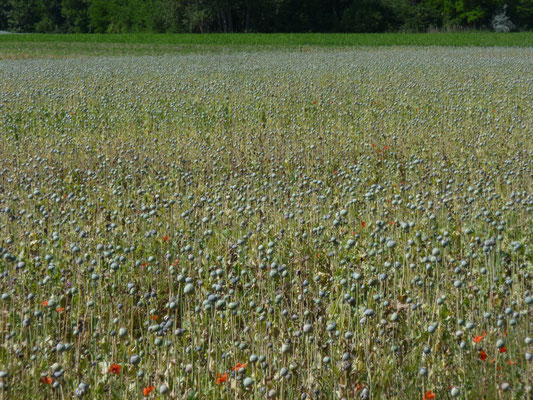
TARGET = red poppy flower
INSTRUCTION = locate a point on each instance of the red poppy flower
(482, 355)
(59, 309)
(221, 378)
(387, 147)
(44, 303)
(114, 369)
(363, 224)
(144, 264)
(154, 317)
(147, 390)
(46, 380)
(238, 367)
(503, 349)
(429, 395)
(478, 339)
(165, 238)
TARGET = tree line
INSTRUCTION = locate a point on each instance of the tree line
(175, 16)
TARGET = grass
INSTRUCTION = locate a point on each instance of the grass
(348, 224)
(57, 45)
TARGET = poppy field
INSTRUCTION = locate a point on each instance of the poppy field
(319, 224)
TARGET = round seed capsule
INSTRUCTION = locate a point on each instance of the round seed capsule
(247, 382)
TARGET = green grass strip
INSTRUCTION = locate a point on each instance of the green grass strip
(520, 39)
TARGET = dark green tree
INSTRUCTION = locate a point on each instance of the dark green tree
(4, 12)
(522, 14)
(199, 16)
(102, 14)
(23, 15)
(258, 15)
(76, 14)
(51, 17)
(167, 16)
(367, 16)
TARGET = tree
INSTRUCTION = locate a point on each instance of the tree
(257, 15)
(501, 21)
(366, 16)
(4, 11)
(23, 15)
(524, 14)
(101, 15)
(167, 16)
(198, 16)
(51, 17)
(76, 14)
(415, 15)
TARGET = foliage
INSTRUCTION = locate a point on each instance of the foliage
(23, 15)
(123, 16)
(4, 10)
(76, 14)
(501, 22)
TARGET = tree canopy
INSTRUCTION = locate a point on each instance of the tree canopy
(125, 16)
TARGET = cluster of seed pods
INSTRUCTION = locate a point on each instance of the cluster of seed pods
(349, 224)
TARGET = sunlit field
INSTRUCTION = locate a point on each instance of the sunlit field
(284, 224)
(37, 45)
